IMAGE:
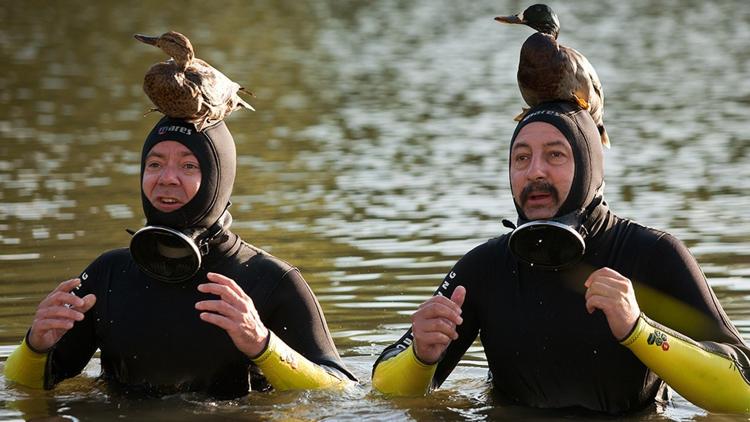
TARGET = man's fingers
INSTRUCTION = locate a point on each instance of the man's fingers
(438, 310)
(62, 290)
(88, 302)
(604, 273)
(439, 325)
(458, 296)
(435, 339)
(223, 291)
(59, 312)
(219, 307)
(226, 281)
(45, 325)
(218, 320)
(62, 299)
(592, 305)
(441, 302)
(601, 289)
(68, 285)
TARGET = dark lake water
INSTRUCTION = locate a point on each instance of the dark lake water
(376, 158)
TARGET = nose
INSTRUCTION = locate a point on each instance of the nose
(537, 168)
(168, 176)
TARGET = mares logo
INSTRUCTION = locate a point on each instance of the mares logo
(174, 128)
(543, 112)
(658, 338)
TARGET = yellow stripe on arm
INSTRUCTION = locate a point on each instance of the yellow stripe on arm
(403, 375)
(711, 380)
(26, 367)
(286, 369)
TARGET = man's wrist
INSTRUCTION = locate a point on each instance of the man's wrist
(266, 342)
(34, 348)
(422, 361)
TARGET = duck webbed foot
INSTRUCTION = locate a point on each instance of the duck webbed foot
(522, 114)
(581, 102)
(151, 110)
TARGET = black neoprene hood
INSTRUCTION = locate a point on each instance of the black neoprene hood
(581, 132)
(214, 148)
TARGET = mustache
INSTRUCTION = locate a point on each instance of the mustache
(539, 187)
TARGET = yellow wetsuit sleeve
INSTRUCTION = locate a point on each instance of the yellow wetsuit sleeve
(403, 375)
(286, 369)
(709, 379)
(26, 367)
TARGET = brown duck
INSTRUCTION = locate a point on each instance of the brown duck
(549, 71)
(187, 87)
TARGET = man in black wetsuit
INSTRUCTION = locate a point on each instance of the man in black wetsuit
(576, 307)
(189, 307)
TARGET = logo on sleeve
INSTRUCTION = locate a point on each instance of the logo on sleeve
(658, 338)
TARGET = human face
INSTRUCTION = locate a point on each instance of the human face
(541, 170)
(171, 176)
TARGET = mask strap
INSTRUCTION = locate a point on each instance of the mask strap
(509, 224)
(217, 229)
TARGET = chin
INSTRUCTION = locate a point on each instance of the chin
(166, 208)
(539, 214)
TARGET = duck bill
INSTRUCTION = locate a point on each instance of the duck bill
(510, 19)
(146, 39)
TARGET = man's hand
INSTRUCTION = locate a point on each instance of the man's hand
(235, 312)
(434, 325)
(611, 292)
(56, 314)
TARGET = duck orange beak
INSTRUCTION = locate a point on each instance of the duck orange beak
(146, 39)
(510, 19)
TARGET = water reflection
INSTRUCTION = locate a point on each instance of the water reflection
(376, 158)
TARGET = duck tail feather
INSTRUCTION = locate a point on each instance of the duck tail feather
(244, 91)
(243, 103)
(605, 136)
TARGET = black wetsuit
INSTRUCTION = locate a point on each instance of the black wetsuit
(542, 346)
(153, 342)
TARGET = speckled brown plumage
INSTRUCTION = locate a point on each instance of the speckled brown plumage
(187, 87)
(549, 71)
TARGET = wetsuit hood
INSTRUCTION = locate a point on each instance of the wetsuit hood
(214, 148)
(580, 131)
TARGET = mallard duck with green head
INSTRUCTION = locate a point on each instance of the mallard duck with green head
(187, 87)
(550, 71)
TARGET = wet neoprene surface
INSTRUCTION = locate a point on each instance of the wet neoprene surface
(153, 342)
(542, 346)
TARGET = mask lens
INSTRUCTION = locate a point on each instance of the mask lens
(547, 244)
(165, 254)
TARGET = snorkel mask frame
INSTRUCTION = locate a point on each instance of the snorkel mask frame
(547, 244)
(554, 243)
(149, 248)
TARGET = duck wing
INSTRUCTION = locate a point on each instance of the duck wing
(584, 82)
(220, 94)
(169, 90)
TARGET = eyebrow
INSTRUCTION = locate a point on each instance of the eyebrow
(160, 155)
(520, 144)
